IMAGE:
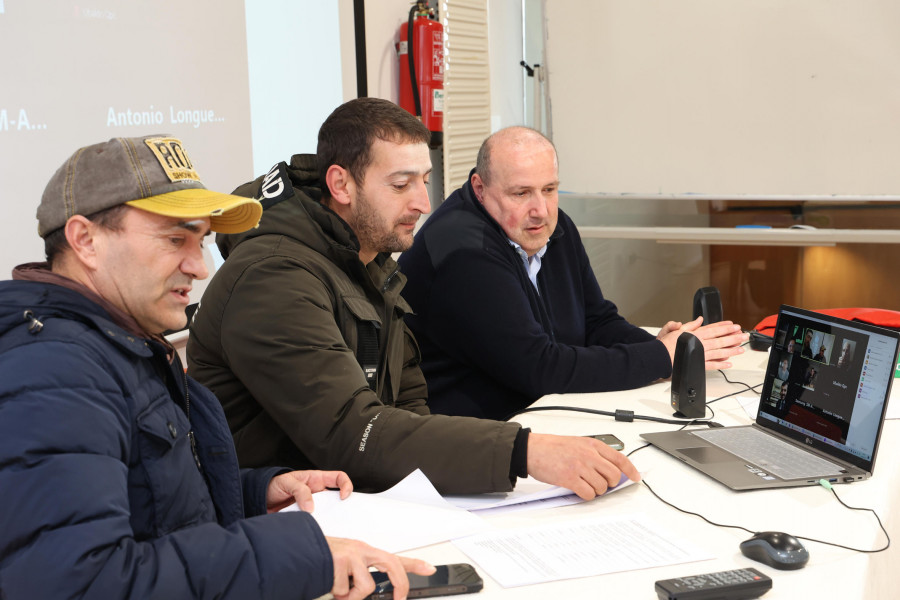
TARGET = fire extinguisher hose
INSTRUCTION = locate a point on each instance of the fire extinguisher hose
(412, 62)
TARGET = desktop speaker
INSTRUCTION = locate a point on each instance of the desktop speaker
(689, 377)
(708, 304)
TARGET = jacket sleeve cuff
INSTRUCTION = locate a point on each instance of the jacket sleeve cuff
(254, 484)
(518, 466)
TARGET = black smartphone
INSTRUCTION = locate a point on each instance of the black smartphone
(460, 578)
(610, 440)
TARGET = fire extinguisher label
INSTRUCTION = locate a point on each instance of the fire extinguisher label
(437, 56)
(402, 48)
(437, 105)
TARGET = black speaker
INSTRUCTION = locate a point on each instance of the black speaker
(708, 304)
(689, 377)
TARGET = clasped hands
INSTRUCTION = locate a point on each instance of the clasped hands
(720, 340)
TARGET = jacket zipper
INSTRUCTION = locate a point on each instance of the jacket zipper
(387, 281)
(382, 359)
(187, 410)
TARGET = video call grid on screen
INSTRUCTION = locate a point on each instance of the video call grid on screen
(828, 383)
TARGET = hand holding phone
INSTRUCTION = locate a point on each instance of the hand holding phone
(447, 580)
(354, 557)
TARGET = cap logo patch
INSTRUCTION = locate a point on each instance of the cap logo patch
(173, 159)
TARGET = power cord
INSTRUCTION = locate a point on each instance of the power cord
(626, 416)
(822, 482)
(749, 387)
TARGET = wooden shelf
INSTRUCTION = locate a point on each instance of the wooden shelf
(740, 236)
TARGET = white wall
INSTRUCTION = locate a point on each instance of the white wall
(295, 73)
(763, 97)
(383, 21)
(507, 75)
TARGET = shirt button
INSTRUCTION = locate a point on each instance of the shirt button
(172, 430)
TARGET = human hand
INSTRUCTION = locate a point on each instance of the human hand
(299, 486)
(720, 340)
(669, 328)
(584, 465)
(353, 558)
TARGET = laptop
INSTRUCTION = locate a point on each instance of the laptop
(821, 409)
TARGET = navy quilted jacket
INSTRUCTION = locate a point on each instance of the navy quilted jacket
(100, 494)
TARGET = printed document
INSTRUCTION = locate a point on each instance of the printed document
(577, 548)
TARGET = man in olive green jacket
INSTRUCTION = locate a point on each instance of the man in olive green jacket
(301, 335)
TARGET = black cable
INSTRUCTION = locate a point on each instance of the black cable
(708, 402)
(752, 388)
(629, 416)
(417, 103)
(880, 524)
(620, 415)
(639, 448)
(809, 539)
(824, 484)
(687, 512)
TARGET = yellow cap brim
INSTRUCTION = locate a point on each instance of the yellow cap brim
(226, 213)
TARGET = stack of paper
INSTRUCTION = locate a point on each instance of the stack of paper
(410, 515)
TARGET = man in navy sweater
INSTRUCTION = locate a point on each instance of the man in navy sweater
(507, 308)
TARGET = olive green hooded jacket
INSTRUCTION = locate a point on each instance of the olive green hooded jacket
(276, 339)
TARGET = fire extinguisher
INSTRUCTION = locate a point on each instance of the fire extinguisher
(422, 62)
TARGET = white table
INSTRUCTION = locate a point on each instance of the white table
(808, 511)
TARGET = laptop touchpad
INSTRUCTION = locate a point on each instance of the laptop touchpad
(706, 454)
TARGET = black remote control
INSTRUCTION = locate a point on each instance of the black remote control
(727, 585)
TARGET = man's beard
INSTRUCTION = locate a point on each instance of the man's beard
(371, 230)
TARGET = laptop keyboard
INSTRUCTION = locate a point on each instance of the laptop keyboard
(769, 453)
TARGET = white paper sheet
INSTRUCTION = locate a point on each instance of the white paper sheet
(750, 404)
(578, 548)
(409, 515)
(529, 494)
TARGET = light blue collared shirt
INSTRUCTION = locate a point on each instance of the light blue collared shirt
(532, 263)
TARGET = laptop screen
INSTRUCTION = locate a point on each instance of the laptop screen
(827, 383)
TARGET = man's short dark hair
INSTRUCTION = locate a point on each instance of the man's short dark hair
(55, 242)
(347, 135)
(483, 161)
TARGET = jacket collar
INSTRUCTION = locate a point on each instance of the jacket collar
(49, 300)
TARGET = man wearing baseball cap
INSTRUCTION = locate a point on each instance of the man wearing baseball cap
(118, 473)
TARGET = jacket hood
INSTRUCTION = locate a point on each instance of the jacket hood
(291, 197)
(30, 303)
(38, 299)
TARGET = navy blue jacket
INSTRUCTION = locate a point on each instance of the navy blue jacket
(491, 344)
(100, 495)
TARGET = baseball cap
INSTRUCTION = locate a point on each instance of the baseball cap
(152, 173)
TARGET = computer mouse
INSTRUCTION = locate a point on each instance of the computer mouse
(776, 549)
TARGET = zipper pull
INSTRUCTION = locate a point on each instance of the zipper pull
(194, 449)
(34, 326)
